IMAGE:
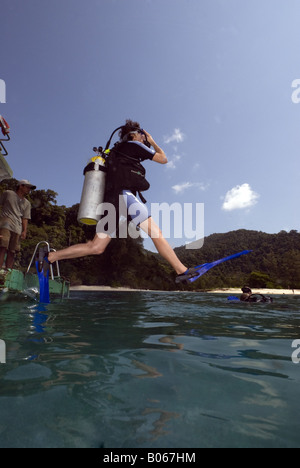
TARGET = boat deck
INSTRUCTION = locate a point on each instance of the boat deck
(15, 281)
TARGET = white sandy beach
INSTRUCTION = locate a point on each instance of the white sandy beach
(236, 291)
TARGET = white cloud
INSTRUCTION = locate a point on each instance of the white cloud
(240, 197)
(173, 162)
(177, 137)
(180, 188)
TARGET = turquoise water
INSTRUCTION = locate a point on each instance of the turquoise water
(154, 370)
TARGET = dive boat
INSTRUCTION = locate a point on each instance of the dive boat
(15, 283)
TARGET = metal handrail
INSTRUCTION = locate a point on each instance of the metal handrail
(2, 145)
(7, 137)
(4, 149)
(57, 265)
(51, 266)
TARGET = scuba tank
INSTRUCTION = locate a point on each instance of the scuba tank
(95, 180)
(93, 189)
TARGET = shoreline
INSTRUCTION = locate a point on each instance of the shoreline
(236, 291)
(266, 291)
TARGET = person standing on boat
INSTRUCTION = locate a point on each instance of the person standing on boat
(16, 212)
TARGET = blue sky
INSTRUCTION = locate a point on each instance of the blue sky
(211, 80)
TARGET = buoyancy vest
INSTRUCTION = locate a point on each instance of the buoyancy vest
(255, 298)
(125, 173)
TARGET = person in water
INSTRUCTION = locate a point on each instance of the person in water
(247, 293)
(248, 296)
(137, 144)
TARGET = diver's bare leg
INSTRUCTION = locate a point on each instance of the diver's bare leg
(165, 250)
(94, 247)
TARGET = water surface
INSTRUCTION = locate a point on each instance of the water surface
(154, 370)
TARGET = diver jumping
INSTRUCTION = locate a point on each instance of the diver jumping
(124, 177)
(132, 145)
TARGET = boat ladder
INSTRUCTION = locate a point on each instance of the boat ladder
(49, 249)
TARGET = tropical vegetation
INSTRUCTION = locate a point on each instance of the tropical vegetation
(274, 262)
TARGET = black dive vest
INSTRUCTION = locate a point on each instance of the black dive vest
(125, 173)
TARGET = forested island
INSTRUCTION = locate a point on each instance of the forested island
(274, 262)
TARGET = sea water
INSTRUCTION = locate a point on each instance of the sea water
(150, 370)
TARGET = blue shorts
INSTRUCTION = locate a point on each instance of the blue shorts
(130, 208)
(137, 211)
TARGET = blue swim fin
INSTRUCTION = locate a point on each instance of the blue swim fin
(233, 299)
(42, 268)
(192, 274)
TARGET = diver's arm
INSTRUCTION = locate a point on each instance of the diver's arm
(160, 156)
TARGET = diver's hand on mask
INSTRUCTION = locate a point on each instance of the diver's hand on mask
(149, 138)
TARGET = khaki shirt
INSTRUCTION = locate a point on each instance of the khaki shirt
(14, 209)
